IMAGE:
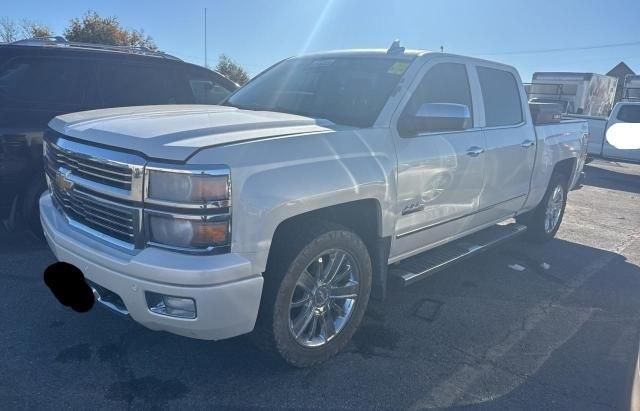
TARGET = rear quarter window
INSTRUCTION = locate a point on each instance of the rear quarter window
(501, 97)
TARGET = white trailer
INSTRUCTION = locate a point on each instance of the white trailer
(588, 94)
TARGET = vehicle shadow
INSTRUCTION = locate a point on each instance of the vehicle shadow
(607, 178)
(404, 354)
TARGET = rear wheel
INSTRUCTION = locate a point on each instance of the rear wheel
(314, 297)
(544, 221)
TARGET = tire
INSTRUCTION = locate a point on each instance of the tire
(302, 317)
(540, 228)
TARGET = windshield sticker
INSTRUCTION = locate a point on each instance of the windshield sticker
(398, 68)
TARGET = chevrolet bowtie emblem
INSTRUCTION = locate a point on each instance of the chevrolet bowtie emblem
(62, 181)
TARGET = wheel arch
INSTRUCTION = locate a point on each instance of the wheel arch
(364, 217)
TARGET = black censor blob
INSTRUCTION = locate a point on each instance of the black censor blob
(68, 285)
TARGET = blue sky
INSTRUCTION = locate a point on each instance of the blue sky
(258, 33)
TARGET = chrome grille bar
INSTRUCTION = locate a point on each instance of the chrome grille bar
(116, 176)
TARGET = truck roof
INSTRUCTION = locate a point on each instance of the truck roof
(408, 54)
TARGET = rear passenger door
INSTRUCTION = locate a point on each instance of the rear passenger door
(510, 143)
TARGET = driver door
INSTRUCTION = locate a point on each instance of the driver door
(441, 174)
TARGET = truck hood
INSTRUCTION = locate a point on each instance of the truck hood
(176, 132)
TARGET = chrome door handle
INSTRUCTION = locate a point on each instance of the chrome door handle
(474, 151)
(527, 143)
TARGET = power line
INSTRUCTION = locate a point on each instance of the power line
(554, 50)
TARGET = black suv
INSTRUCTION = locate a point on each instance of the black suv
(43, 78)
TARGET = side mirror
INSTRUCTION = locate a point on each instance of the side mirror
(437, 117)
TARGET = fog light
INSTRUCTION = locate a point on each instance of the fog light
(170, 305)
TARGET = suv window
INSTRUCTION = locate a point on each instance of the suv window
(122, 85)
(205, 87)
(443, 83)
(629, 114)
(501, 97)
(51, 81)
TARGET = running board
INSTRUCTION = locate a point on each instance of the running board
(425, 264)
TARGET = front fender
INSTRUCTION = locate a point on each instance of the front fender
(277, 179)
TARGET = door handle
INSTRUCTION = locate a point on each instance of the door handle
(527, 143)
(474, 151)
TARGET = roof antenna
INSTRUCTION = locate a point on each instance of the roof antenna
(395, 48)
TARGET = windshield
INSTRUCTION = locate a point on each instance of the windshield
(349, 91)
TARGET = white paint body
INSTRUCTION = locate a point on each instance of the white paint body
(285, 165)
(613, 138)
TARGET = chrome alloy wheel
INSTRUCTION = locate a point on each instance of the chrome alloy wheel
(324, 298)
(554, 209)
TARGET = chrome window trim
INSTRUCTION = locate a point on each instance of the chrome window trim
(506, 126)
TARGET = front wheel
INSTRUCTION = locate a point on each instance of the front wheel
(544, 221)
(314, 298)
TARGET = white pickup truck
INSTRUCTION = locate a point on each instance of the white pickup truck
(615, 138)
(282, 211)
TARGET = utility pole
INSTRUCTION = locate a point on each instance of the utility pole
(205, 38)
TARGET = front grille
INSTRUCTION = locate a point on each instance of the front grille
(99, 214)
(113, 175)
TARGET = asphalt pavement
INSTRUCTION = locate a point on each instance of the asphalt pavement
(521, 327)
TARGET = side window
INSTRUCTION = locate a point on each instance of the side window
(136, 85)
(43, 82)
(204, 86)
(629, 114)
(501, 97)
(444, 83)
(207, 91)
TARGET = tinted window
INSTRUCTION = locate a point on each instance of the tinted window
(345, 90)
(629, 114)
(39, 81)
(137, 85)
(501, 96)
(443, 83)
(206, 87)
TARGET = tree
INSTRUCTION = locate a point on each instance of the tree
(9, 31)
(92, 28)
(231, 70)
(31, 29)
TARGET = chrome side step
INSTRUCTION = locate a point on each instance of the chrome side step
(425, 264)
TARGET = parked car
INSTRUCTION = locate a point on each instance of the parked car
(322, 179)
(42, 78)
(616, 137)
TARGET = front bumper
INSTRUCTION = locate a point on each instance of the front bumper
(226, 291)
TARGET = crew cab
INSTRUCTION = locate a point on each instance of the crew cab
(313, 187)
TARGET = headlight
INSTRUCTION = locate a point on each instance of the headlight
(198, 233)
(187, 188)
(188, 208)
